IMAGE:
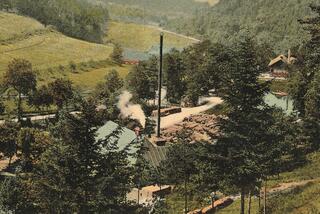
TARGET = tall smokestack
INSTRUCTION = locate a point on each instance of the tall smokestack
(160, 86)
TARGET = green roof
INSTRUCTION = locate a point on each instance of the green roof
(154, 154)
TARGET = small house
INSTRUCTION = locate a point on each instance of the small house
(279, 65)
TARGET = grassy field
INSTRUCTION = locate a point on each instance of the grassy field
(12, 25)
(47, 50)
(52, 49)
(89, 79)
(142, 38)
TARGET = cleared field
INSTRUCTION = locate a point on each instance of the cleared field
(12, 25)
(52, 49)
(143, 38)
(47, 49)
(89, 79)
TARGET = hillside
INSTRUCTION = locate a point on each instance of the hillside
(51, 52)
(170, 8)
(298, 200)
(143, 38)
(16, 26)
(273, 22)
(47, 50)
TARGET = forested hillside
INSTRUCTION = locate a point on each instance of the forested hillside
(171, 8)
(75, 18)
(274, 22)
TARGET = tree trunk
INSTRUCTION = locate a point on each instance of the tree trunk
(242, 202)
(259, 198)
(185, 197)
(138, 196)
(249, 203)
(19, 107)
(265, 197)
(10, 159)
(212, 205)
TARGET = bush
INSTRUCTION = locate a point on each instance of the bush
(73, 66)
(2, 108)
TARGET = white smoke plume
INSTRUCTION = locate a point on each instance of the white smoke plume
(130, 110)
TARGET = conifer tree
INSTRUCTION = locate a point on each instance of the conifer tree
(117, 54)
(245, 142)
(74, 175)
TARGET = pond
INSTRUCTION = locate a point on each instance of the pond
(284, 103)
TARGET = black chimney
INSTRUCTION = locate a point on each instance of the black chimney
(160, 86)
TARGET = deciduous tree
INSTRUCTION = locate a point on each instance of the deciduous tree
(21, 78)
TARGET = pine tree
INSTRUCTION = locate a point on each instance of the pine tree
(74, 175)
(305, 82)
(245, 143)
(173, 68)
(117, 54)
(180, 165)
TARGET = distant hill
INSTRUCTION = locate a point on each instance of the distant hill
(274, 21)
(169, 8)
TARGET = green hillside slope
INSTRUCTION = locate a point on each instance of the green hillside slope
(143, 38)
(12, 25)
(51, 52)
(274, 21)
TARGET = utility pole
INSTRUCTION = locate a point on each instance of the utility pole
(160, 85)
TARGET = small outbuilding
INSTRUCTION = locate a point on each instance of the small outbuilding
(279, 65)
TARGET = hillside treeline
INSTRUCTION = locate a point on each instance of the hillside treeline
(72, 17)
(273, 22)
(171, 8)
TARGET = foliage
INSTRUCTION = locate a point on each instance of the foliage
(74, 18)
(273, 22)
(188, 74)
(249, 143)
(2, 108)
(142, 80)
(32, 143)
(74, 175)
(41, 97)
(117, 54)
(61, 91)
(8, 144)
(173, 67)
(304, 82)
(106, 93)
(14, 197)
(21, 78)
(163, 7)
(6, 5)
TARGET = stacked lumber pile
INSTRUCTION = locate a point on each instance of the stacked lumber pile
(202, 127)
(219, 204)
